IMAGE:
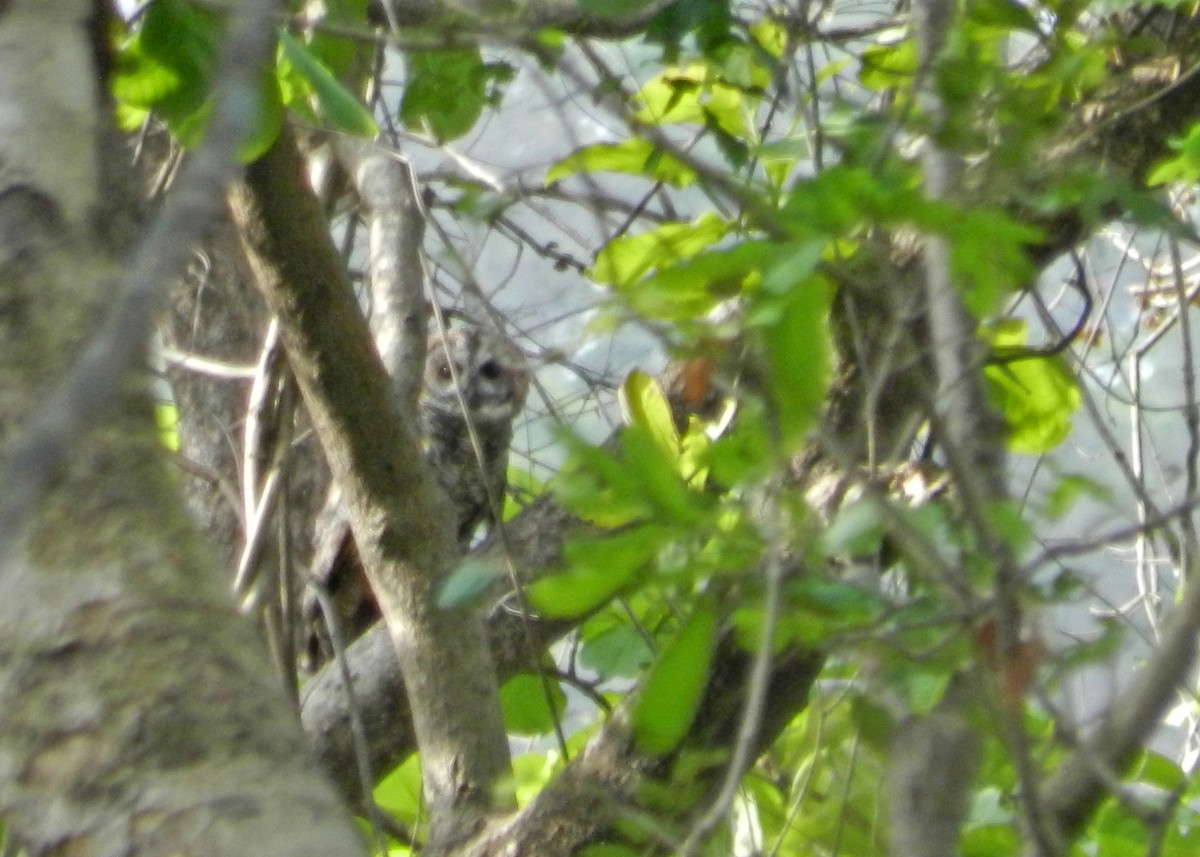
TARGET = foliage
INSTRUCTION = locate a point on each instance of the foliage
(783, 206)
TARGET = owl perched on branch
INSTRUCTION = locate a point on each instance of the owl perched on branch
(475, 384)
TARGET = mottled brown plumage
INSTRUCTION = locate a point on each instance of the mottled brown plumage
(467, 366)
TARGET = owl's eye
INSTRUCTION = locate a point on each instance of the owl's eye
(443, 371)
(491, 370)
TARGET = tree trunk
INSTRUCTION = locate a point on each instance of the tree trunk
(138, 712)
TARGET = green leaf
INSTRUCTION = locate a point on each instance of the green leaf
(989, 256)
(526, 709)
(531, 772)
(1036, 395)
(612, 8)
(597, 568)
(336, 104)
(1096, 649)
(873, 721)
(1003, 14)
(597, 487)
(1159, 771)
(921, 685)
(628, 259)
(523, 488)
(692, 286)
(634, 156)
(269, 121)
(742, 453)
(693, 452)
(799, 353)
(617, 652)
(399, 793)
(818, 608)
(840, 200)
(792, 264)
(1183, 167)
(991, 840)
(644, 405)
(166, 417)
(1007, 518)
(646, 481)
(887, 66)
(660, 480)
(168, 64)
(447, 90)
(708, 21)
(675, 685)
(697, 95)
(341, 55)
(834, 599)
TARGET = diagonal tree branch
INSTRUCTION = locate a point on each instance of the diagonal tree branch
(401, 524)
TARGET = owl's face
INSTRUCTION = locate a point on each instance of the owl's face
(491, 372)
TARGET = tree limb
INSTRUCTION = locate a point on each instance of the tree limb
(402, 526)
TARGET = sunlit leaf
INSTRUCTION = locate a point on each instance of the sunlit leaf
(886, 66)
(645, 405)
(696, 95)
(1036, 395)
(660, 480)
(1157, 770)
(634, 156)
(168, 63)
(399, 793)
(693, 286)
(1184, 166)
(523, 488)
(531, 772)
(167, 67)
(597, 487)
(991, 840)
(597, 568)
(626, 260)
(166, 417)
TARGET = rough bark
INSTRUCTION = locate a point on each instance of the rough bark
(568, 15)
(138, 713)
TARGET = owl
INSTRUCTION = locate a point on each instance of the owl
(475, 382)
